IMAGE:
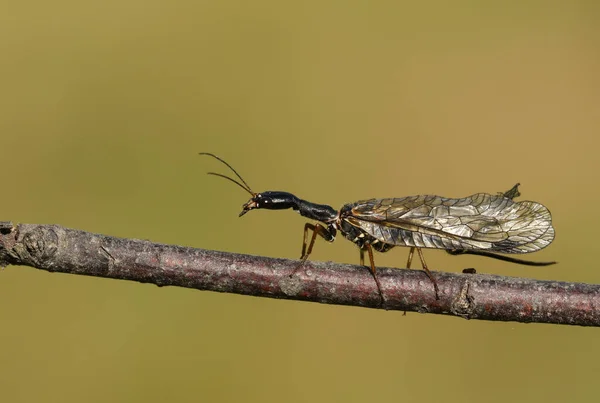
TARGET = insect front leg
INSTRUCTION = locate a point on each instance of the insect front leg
(327, 233)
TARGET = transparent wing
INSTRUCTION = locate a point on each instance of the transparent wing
(481, 221)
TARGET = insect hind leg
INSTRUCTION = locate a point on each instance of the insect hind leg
(425, 269)
(410, 257)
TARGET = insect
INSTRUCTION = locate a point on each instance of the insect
(481, 224)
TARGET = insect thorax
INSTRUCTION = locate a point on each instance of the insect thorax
(356, 234)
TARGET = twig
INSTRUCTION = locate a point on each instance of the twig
(471, 296)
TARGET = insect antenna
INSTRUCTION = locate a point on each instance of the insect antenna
(245, 186)
(232, 180)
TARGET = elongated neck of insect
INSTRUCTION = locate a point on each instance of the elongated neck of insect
(319, 212)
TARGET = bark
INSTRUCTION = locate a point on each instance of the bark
(471, 296)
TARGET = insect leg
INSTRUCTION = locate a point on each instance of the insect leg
(317, 229)
(362, 256)
(373, 270)
(410, 256)
(435, 286)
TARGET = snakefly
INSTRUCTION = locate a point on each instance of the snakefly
(481, 224)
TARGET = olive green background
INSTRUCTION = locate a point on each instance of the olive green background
(105, 105)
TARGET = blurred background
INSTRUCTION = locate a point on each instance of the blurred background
(105, 105)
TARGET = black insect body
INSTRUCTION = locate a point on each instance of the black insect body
(481, 224)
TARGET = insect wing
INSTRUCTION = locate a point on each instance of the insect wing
(481, 221)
